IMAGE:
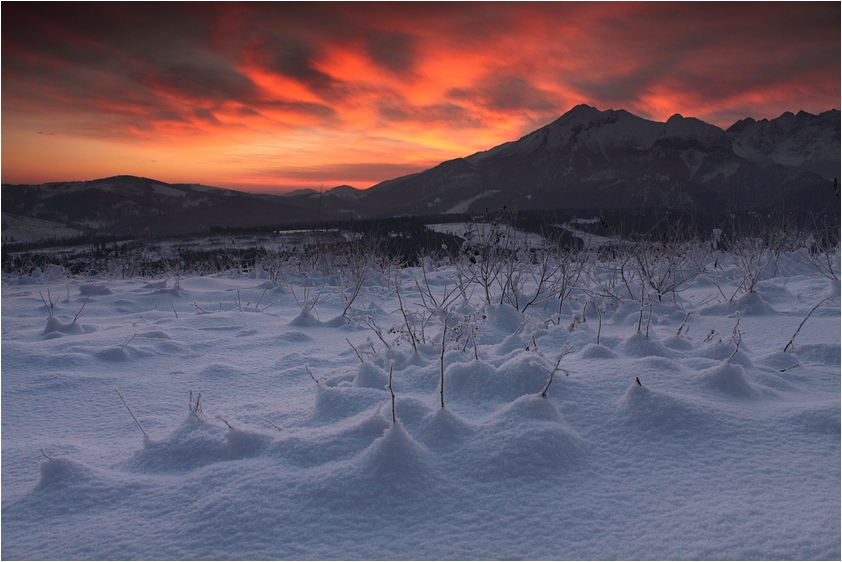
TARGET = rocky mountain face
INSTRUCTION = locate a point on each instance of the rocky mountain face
(592, 158)
(801, 142)
(586, 159)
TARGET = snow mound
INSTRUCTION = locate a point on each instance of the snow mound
(749, 304)
(57, 328)
(823, 420)
(594, 351)
(651, 409)
(728, 378)
(370, 375)
(309, 447)
(306, 318)
(822, 353)
(501, 320)
(638, 345)
(335, 404)
(57, 473)
(779, 360)
(513, 342)
(678, 343)
(479, 380)
(721, 351)
(194, 444)
(410, 410)
(121, 353)
(442, 429)
(94, 290)
(527, 439)
(396, 457)
(221, 371)
(295, 337)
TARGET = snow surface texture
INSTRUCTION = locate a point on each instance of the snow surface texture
(718, 453)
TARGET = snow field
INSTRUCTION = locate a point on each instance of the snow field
(720, 452)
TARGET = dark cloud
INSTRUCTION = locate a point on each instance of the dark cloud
(107, 65)
(247, 111)
(295, 58)
(394, 108)
(708, 52)
(394, 51)
(201, 81)
(206, 115)
(507, 94)
(322, 112)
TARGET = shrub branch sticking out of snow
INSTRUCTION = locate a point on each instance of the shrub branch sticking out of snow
(392, 392)
(195, 408)
(564, 351)
(312, 376)
(145, 436)
(792, 339)
(441, 361)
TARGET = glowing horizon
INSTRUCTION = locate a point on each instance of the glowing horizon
(274, 97)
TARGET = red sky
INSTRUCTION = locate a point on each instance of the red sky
(271, 97)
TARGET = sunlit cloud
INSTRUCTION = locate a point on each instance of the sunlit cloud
(281, 96)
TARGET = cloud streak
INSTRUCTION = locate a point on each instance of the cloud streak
(333, 86)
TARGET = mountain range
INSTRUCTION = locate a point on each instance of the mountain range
(587, 159)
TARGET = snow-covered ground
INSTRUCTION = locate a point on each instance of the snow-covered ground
(24, 230)
(717, 453)
(510, 237)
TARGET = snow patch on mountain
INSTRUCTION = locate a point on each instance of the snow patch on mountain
(462, 206)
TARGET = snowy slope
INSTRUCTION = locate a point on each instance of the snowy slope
(718, 453)
(806, 141)
(17, 229)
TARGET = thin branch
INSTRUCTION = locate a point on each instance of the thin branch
(127, 342)
(355, 350)
(564, 351)
(270, 423)
(802, 323)
(261, 297)
(599, 325)
(79, 314)
(683, 323)
(738, 338)
(392, 392)
(441, 359)
(48, 307)
(132, 413)
(313, 376)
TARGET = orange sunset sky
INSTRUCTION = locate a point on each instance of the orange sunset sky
(273, 97)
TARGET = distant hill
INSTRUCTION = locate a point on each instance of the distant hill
(586, 159)
(132, 206)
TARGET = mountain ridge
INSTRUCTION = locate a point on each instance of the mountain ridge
(586, 158)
